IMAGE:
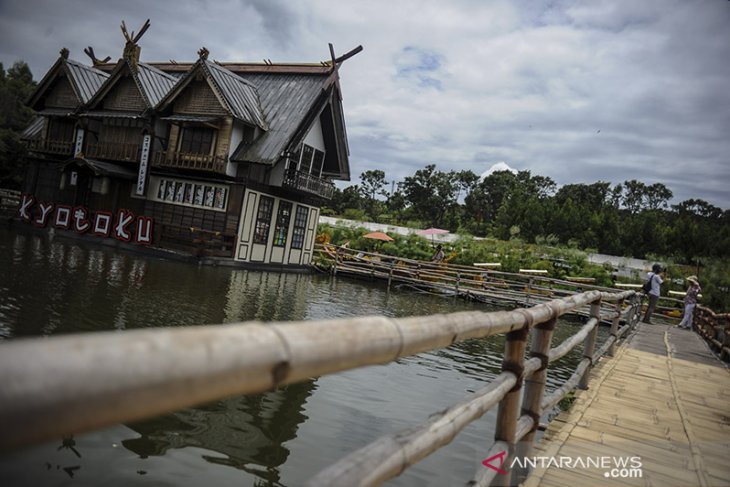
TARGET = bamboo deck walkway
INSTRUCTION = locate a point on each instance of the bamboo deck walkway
(665, 399)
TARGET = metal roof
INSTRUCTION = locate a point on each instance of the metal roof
(86, 80)
(190, 118)
(110, 114)
(153, 83)
(33, 130)
(104, 168)
(286, 99)
(56, 112)
(240, 95)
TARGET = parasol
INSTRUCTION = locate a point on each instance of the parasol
(378, 236)
(432, 231)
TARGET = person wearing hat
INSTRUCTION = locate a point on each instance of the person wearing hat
(690, 300)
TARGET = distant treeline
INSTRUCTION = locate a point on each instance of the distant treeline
(630, 219)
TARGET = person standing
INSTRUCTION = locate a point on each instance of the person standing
(438, 256)
(655, 281)
(690, 300)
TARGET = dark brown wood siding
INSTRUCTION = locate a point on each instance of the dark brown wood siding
(62, 95)
(124, 96)
(198, 98)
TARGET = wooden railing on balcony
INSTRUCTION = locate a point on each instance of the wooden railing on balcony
(118, 151)
(185, 160)
(311, 184)
(64, 147)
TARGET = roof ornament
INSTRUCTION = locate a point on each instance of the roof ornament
(89, 51)
(64, 53)
(131, 49)
(335, 62)
(334, 76)
(203, 53)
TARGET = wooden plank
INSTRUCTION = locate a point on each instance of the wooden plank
(670, 412)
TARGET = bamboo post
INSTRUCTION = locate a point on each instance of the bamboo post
(614, 327)
(590, 342)
(535, 383)
(509, 408)
(390, 274)
(529, 288)
(458, 278)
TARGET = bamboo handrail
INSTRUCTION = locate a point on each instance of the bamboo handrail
(51, 384)
(69, 384)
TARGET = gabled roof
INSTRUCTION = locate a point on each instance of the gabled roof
(286, 101)
(85, 80)
(238, 97)
(33, 130)
(152, 83)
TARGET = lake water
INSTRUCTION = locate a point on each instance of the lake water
(279, 438)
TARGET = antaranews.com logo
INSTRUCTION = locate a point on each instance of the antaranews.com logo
(612, 467)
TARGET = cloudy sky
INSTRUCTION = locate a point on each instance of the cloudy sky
(577, 91)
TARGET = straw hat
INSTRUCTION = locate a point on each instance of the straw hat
(693, 279)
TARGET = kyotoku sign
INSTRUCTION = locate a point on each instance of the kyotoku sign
(124, 226)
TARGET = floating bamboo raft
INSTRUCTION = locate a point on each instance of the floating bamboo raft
(479, 282)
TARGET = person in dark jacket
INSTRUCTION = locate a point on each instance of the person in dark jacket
(655, 279)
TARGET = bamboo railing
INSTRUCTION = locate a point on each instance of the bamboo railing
(70, 384)
(714, 328)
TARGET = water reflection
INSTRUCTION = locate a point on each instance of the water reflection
(248, 432)
(51, 287)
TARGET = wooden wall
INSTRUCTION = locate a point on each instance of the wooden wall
(125, 96)
(187, 216)
(62, 95)
(198, 98)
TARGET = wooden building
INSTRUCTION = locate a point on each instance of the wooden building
(220, 160)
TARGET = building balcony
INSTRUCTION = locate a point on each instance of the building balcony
(61, 147)
(116, 151)
(185, 160)
(305, 182)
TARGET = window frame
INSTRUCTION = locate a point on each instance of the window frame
(300, 227)
(283, 219)
(188, 138)
(263, 220)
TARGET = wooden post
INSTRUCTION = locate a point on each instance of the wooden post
(529, 288)
(614, 327)
(535, 384)
(589, 344)
(458, 278)
(509, 408)
(390, 274)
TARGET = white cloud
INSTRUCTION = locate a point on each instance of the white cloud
(610, 90)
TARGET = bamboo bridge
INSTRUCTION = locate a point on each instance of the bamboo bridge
(653, 406)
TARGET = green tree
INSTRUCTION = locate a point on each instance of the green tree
(431, 195)
(16, 85)
(372, 186)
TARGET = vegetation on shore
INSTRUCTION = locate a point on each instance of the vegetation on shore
(515, 254)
